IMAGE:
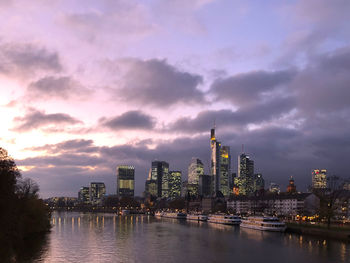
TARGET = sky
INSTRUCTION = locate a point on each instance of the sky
(88, 85)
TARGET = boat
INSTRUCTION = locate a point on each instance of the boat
(264, 223)
(125, 212)
(175, 215)
(224, 219)
(158, 214)
(197, 217)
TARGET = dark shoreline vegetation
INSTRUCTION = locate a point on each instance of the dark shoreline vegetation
(24, 217)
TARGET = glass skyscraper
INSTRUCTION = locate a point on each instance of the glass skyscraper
(215, 161)
(175, 184)
(245, 176)
(125, 181)
(160, 174)
(225, 170)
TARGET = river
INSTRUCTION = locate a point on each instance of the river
(88, 237)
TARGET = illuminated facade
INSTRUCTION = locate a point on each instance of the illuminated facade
(97, 192)
(258, 183)
(215, 161)
(225, 170)
(195, 169)
(160, 174)
(175, 184)
(245, 175)
(274, 188)
(125, 181)
(84, 195)
(319, 179)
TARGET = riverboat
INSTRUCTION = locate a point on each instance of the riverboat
(224, 219)
(158, 214)
(197, 217)
(264, 224)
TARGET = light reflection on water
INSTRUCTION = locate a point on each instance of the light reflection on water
(87, 237)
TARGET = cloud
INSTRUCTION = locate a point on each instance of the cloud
(238, 120)
(156, 83)
(248, 88)
(76, 145)
(110, 20)
(62, 87)
(35, 119)
(323, 86)
(129, 120)
(25, 59)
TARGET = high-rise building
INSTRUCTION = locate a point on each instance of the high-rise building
(195, 169)
(319, 179)
(125, 181)
(160, 173)
(258, 183)
(97, 192)
(175, 184)
(245, 177)
(215, 162)
(84, 195)
(225, 171)
(204, 185)
(291, 188)
(274, 188)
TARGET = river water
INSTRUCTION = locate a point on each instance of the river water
(87, 237)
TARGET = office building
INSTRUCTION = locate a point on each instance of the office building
(319, 179)
(160, 174)
(175, 184)
(97, 192)
(245, 175)
(274, 188)
(195, 169)
(204, 185)
(84, 195)
(215, 162)
(258, 183)
(125, 181)
(225, 171)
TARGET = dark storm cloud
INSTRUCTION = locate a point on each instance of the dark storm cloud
(56, 87)
(27, 58)
(129, 120)
(155, 82)
(35, 119)
(236, 119)
(324, 85)
(248, 88)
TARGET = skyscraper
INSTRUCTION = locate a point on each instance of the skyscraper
(97, 192)
(225, 171)
(175, 184)
(245, 177)
(195, 169)
(215, 161)
(258, 183)
(160, 173)
(319, 179)
(274, 188)
(125, 181)
(204, 185)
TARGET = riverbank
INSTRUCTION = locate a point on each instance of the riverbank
(338, 233)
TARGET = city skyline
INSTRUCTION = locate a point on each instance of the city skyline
(88, 85)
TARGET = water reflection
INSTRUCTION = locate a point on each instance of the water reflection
(85, 237)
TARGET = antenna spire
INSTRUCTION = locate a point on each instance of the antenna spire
(242, 148)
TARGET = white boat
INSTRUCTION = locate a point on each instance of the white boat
(224, 219)
(125, 212)
(197, 217)
(174, 215)
(264, 223)
(158, 214)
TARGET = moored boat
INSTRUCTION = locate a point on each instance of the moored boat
(264, 223)
(158, 214)
(224, 219)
